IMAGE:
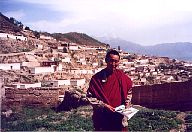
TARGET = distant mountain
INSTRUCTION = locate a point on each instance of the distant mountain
(115, 42)
(180, 50)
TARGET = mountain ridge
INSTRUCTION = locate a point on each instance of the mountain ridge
(179, 50)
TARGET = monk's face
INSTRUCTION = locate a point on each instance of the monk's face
(113, 62)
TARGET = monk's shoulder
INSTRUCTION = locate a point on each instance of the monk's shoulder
(98, 74)
(123, 74)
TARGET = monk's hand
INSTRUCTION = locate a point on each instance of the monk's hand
(128, 105)
(109, 107)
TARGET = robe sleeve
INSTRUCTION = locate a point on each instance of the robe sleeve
(128, 99)
(94, 101)
(129, 93)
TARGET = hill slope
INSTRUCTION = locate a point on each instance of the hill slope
(79, 38)
(7, 26)
(12, 26)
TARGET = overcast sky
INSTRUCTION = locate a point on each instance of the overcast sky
(146, 22)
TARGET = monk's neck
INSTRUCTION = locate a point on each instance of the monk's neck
(109, 71)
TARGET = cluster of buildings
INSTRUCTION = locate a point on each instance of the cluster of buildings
(145, 70)
(71, 65)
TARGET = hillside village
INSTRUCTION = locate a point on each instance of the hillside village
(28, 61)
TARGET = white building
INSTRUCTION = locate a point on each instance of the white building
(143, 61)
(143, 80)
(31, 64)
(82, 59)
(17, 37)
(39, 70)
(4, 35)
(27, 85)
(58, 83)
(39, 46)
(187, 64)
(10, 66)
(21, 38)
(48, 69)
(77, 81)
(66, 59)
(152, 68)
(46, 37)
(154, 73)
(127, 63)
(83, 47)
(83, 62)
(59, 67)
(73, 46)
(95, 64)
(92, 48)
(80, 71)
(60, 47)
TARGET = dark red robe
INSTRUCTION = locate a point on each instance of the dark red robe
(112, 89)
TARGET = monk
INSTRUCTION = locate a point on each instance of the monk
(108, 89)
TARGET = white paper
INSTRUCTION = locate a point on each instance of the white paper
(128, 112)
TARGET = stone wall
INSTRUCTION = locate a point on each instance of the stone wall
(176, 96)
(173, 96)
(46, 97)
(33, 96)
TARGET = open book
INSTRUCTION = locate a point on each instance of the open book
(128, 112)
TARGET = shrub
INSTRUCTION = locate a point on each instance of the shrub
(46, 119)
(147, 119)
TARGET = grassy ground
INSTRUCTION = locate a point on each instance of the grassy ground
(46, 119)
